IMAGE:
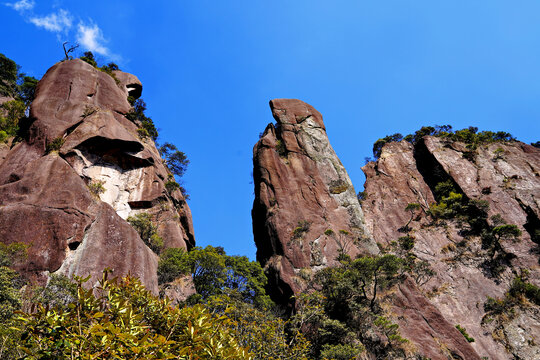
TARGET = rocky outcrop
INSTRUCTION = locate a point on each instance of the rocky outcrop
(505, 176)
(301, 192)
(68, 188)
(305, 210)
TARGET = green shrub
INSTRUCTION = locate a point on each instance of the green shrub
(378, 145)
(88, 111)
(406, 242)
(300, 229)
(469, 136)
(495, 305)
(172, 186)
(147, 231)
(88, 57)
(55, 145)
(10, 114)
(215, 273)
(464, 333)
(60, 291)
(8, 76)
(145, 123)
(124, 321)
(96, 187)
(341, 351)
(281, 149)
(10, 299)
(522, 287)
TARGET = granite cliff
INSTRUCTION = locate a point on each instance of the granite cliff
(302, 191)
(79, 171)
(463, 217)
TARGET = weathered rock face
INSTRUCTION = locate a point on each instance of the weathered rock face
(46, 199)
(507, 177)
(302, 191)
(299, 180)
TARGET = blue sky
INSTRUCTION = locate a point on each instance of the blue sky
(371, 68)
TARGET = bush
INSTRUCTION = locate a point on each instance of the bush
(124, 321)
(469, 136)
(464, 333)
(378, 145)
(59, 292)
(96, 187)
(137, 115)
(215, 273)
(147, 231)
(281, 149)
(300, 229)
(522, 287)
(10, 114)
(172, 186)
(55, 145)
(88, 57)
(10, 300)
(265, 335)
(341, 352)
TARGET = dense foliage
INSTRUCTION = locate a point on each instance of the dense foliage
(119, 319)
(343, 315)
(21, 88)
(216, 273)
(124, 321)
(147, 231)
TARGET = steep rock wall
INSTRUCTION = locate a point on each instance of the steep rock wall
(302, 190)
(299, 180)
(506, 175)
(45, 197)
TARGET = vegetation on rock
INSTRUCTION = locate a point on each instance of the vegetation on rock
(21, 88)
(147, 231)
(215, 273)
(469, 136)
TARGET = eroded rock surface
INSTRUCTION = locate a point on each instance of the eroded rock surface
(301, 192)
(303, 198)
(506, 176)
(70, 203)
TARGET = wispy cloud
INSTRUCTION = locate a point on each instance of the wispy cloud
(55, 22)
(88, 34)
(91, 38)
(22, 5)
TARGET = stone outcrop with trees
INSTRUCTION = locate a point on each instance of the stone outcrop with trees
(437, 258)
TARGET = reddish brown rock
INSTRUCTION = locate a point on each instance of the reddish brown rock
(508, 180)
(301, 191)
(299, 178)
(45, 199)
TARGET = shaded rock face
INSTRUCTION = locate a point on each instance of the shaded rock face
(299, 180)
(46, 199)
(507, 177)
(303, 198)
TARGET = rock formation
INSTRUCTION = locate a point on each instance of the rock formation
(82, 169)
(305, 210)
(301, 192)
(507, 177)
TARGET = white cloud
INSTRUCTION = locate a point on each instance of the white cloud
(88, 35)
(22, 5)
(91, 38)
(55, 22)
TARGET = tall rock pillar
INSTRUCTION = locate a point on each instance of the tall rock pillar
(305, 211)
